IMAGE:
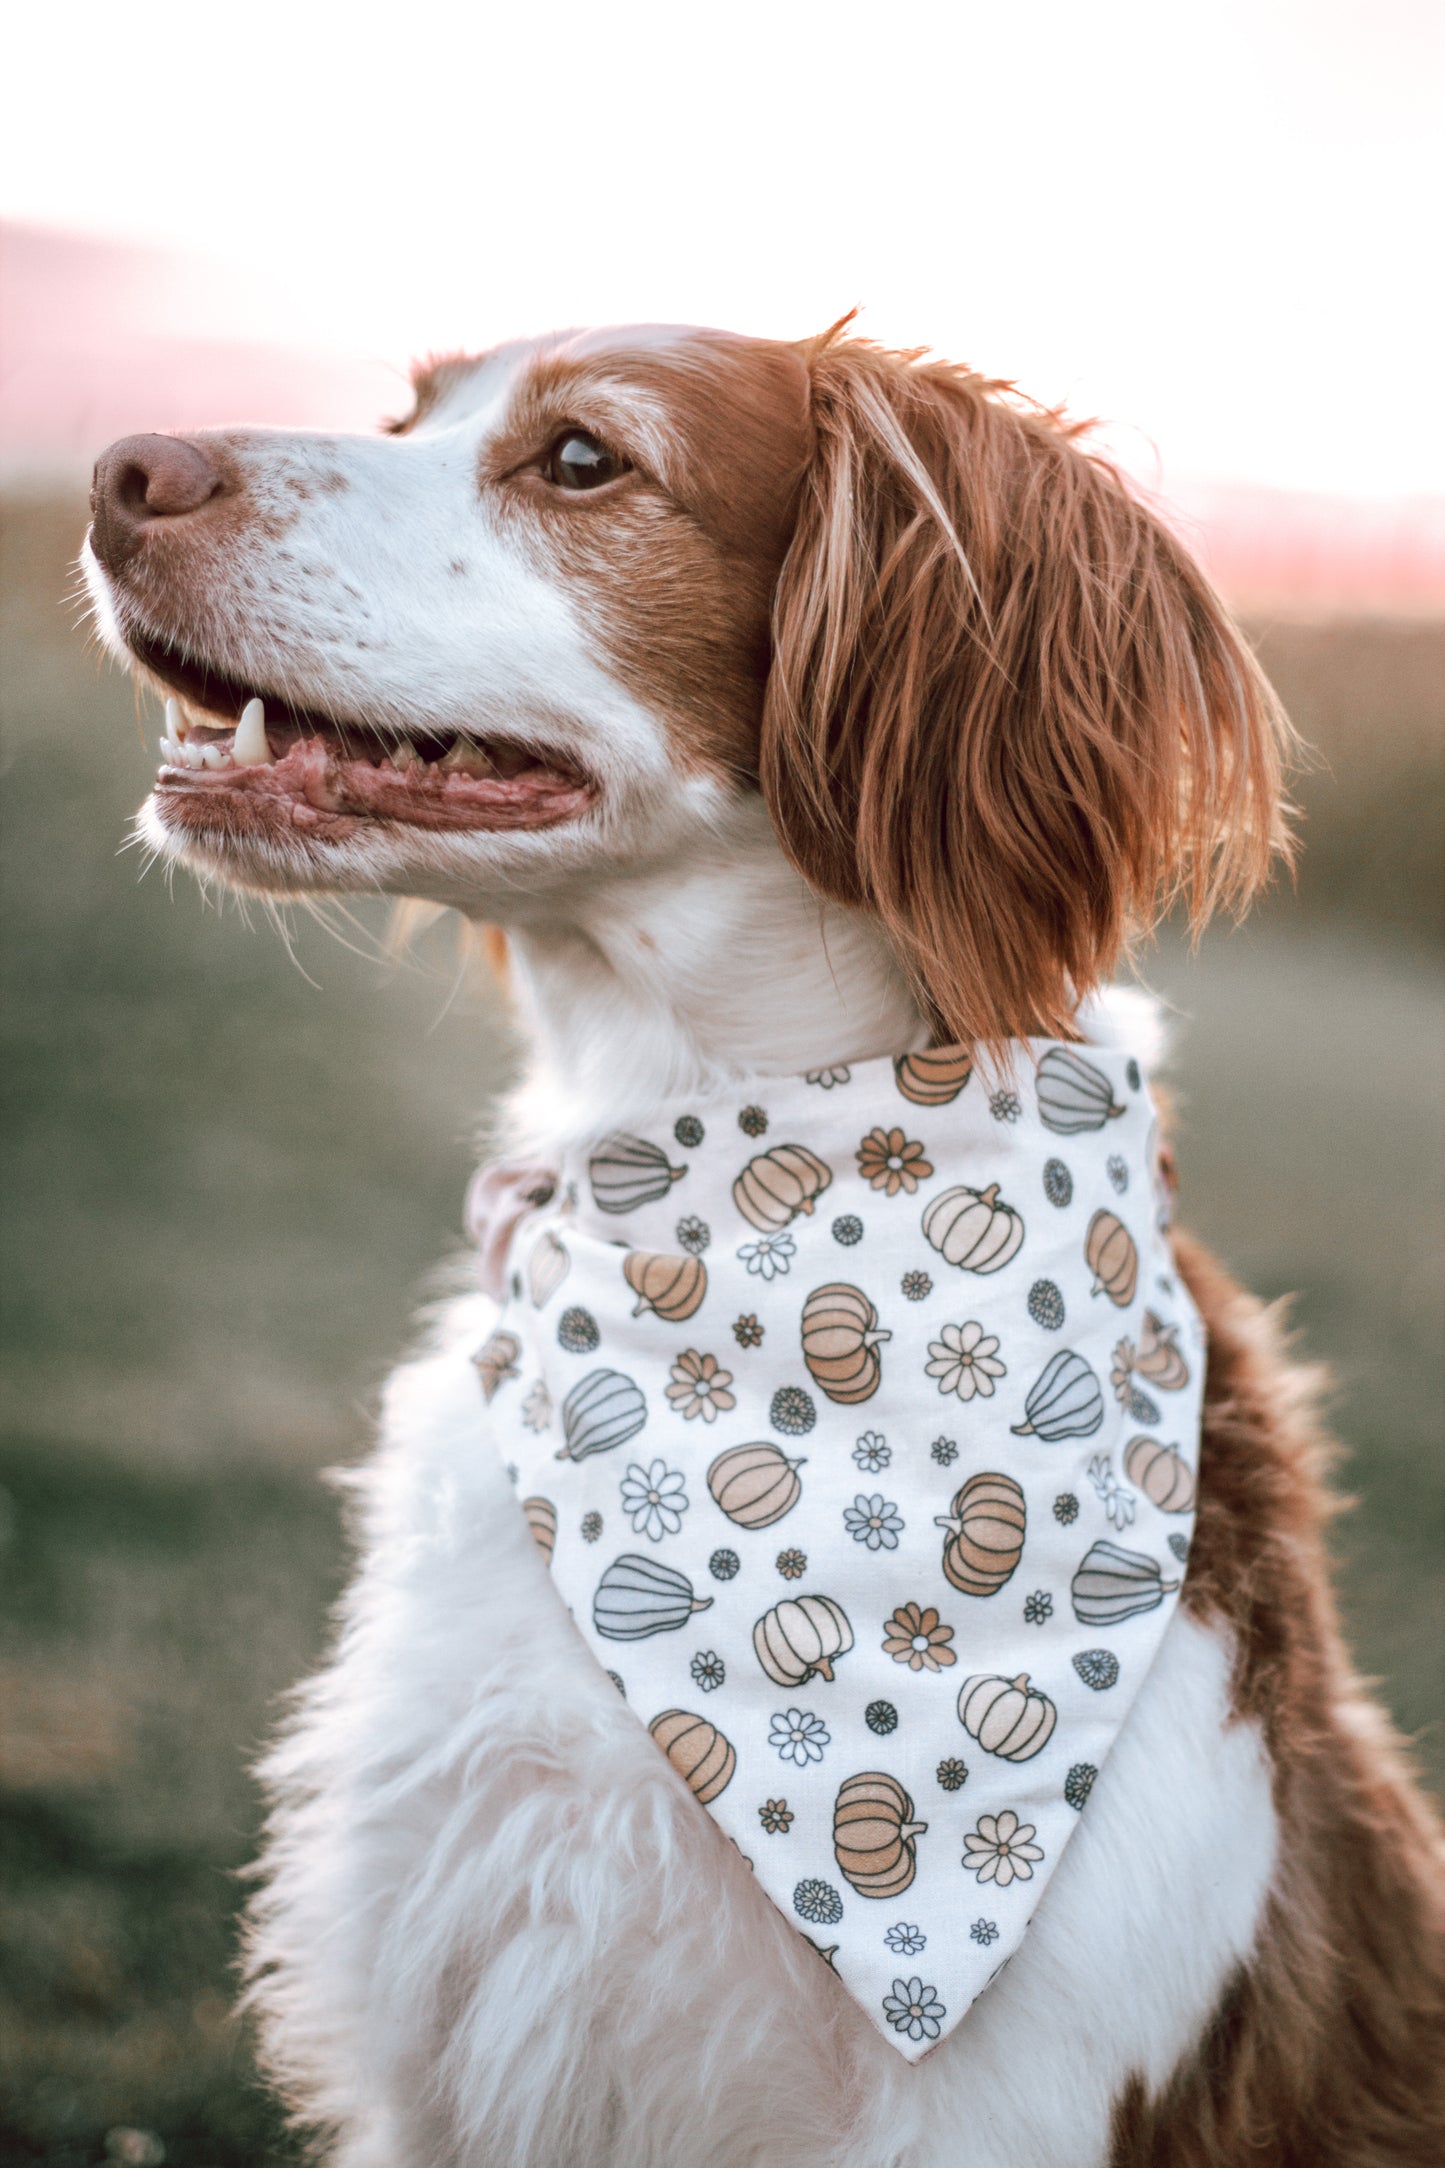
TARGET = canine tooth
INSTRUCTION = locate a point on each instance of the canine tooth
(249, 747)
(467, 759)
(404, 755)
(175, 722)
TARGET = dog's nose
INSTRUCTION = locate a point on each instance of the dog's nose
(140, 480)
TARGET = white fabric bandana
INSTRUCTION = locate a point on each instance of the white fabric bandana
(858, 1419)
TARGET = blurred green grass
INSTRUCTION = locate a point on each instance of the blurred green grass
(224, 1186)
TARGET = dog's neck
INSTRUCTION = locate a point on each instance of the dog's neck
(673, 981)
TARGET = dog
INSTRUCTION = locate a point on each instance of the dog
(784, 705)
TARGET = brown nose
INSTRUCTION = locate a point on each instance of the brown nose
(140, 480)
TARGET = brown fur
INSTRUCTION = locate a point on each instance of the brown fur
(1007, 712)
(1328, 2049)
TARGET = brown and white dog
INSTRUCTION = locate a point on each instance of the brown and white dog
(786, 705)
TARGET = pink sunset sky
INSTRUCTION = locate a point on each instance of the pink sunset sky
(1212, 227)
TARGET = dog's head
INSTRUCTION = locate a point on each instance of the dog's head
(597, 592)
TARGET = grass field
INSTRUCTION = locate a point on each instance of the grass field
(224, 1187)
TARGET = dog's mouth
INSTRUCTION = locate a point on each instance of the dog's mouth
(239, 757)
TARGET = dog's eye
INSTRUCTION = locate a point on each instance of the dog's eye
(580, 461)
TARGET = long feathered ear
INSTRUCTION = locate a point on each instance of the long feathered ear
(1007, 713)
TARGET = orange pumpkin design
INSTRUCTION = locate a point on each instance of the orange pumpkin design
(776, 1186)
(541, 1518)
(874, 1834)
(1110, 1255)
(985, 1526)
(671, 1287)
(702, 1757)
(1166, 1479)
(841, 1337)
(935, 1077)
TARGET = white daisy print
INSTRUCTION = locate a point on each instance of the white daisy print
(770, 1256)
(874, 1521)
(654, 1499)
(798, 1736)
(872, 1452)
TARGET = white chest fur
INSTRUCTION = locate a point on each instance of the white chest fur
(475, 1836)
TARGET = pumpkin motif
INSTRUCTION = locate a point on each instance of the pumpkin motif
(971, 1229)
(801, 1636)
(702, 1757)
(547, 1268)
(935, 1077)
(1065, 1401)
(1159, 1359)
(628, 1171)
(875, 1835)
(1166, 1479)
(638, 1597)
(496, 1361)
(1110, 1255)
(985, 1527)
(1073, 1094)
(602, 1410)
(1008, 1717)
(755, 1485)
(541, 1518)
(776, 1186)
(1113, 1584)
(671, 1287)
(841, 1337)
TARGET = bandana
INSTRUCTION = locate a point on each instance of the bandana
(857, 1417)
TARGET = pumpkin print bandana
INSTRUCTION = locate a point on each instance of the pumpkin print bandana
(857, 1418)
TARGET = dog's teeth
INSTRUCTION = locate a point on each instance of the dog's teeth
(175, 722)
(215, 756)
(404, 755)
(467, 759)
(191, 756)
(168, 752)
(249, 747)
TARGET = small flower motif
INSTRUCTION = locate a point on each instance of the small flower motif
(882, 1717)
(819, 1902)
(1001, 1849)
(688, 1131)
(752, 1121)
(776, 1817)
(1179, 1545)
(792, 1565)
(890, 1161)
(872, 1452)
(984, 1932)
(1135, 1404)
(1038, 1608)
(906, 1941)
(952, 1774)
(770, 1257)
(1117, 1503)
(693, 1235)
(1132, 1073)
(1078, 1784)
(875, 1521)
(965, 1361)
(914, 1637)
(848, 1229)
(537, 1407)
(708, 1670)
(699, 1388)
(944, 1451)
(591, 1527)
(577, 1331)
(916, 1285)
(654, 1499)
(914, 2009)
(799, 1737)
(791, 1411)
(1046, 1305)
(747, 1331)
(1066, 1509)
(1058, 1183)
(1098, 1668)
(723, 1565)
(1004, 1106)
(1118, 1173)
(825, 1079)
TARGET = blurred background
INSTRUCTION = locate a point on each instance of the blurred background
(234, 1151)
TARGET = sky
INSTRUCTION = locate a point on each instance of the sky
(1213, 225)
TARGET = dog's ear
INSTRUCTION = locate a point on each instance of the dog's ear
(1006, 711)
